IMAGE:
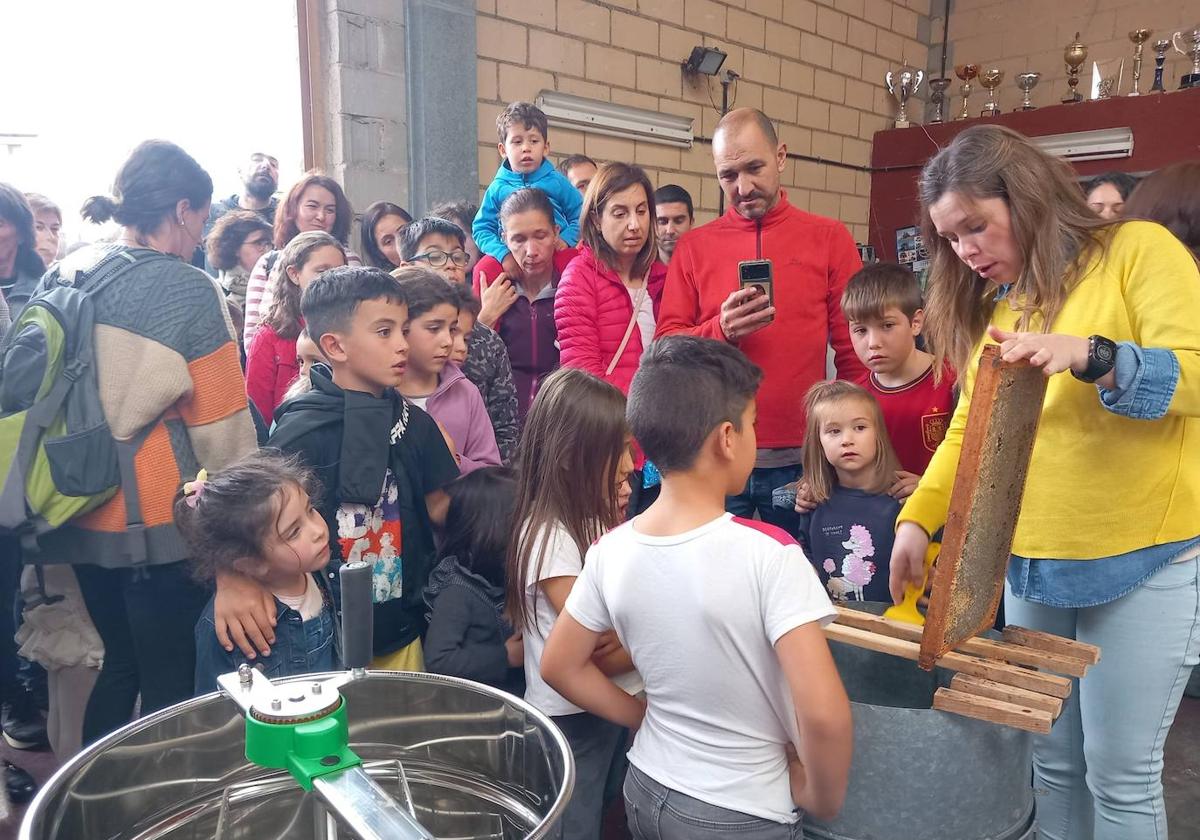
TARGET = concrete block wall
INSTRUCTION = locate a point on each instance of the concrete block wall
(1023, 35)
(365, 96)
(816, 68)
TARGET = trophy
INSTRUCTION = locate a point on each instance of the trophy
(903, 84)
(1074, 54)
(965, 72)
(1106, 77)
(1026, 82)
(937, 96)
(1160, 58)
(1192, 41)
(990, 79)
(1139, 38)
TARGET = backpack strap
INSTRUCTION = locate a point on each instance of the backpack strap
(135, 528)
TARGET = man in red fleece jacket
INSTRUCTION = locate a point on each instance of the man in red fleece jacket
(812, 258)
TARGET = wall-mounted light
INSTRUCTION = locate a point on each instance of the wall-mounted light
(705, 60)
(565, 110)
(1102, 144)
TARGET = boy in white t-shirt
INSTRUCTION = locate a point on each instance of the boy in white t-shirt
(746, 722)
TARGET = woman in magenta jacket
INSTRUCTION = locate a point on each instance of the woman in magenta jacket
(607, 301)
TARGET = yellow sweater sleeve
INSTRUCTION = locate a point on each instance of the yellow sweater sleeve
(1160, 284)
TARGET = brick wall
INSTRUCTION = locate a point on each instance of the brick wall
(1021, 35)
(816, 68)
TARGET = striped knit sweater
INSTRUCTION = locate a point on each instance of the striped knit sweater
(165, 358)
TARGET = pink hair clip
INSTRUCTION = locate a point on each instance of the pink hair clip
(193, 490)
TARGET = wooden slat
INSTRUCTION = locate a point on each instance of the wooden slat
(1004, 651)
(991, 710)
(1008, 693)
(1000, 672)
(1051, 643)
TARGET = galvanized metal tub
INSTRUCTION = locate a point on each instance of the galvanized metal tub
(475, 761)
(920, 774)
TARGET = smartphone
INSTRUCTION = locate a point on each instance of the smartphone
(759, 275)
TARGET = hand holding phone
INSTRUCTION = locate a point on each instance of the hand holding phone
(758, 275)
(752, 306)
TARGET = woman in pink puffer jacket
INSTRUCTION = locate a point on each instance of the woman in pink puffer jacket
(617, 269)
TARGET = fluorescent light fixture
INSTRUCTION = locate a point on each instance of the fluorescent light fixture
(564, 110)
(705, 60)
(1102, 144)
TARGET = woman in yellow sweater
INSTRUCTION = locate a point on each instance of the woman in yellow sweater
(1108, 536)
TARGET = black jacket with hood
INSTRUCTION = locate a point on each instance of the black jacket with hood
(350, 439)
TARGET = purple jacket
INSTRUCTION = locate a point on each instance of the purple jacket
(457, 405)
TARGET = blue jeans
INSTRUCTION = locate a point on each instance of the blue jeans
(655, 812)
(593, 743)
(1098, 774)
(757, 497)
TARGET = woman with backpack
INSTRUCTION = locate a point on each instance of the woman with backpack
(170, 384)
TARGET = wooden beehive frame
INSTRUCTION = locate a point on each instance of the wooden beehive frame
(994, 681)
(1002, 423)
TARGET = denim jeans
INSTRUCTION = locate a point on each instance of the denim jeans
(655, 812)
(593, 743)
(1098, 774)
(757, 496)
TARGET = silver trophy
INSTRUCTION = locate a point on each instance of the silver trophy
(903, 84)
(1187, 43)
(937, 95)
(1026, 82)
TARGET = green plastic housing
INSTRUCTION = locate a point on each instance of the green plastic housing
(306, 750)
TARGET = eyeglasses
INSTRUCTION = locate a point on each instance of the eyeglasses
(264, 244)
(438, 258)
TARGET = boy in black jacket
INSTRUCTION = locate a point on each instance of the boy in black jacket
(382, 461)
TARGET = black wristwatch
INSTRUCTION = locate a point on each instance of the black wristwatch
(1102, 355)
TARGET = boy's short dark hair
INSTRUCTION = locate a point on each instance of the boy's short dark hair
(466, 299)
(462, 213)
(712, 378)
(525, 114)
(418, 230)
(330, 301)
(570, 161)
(879, 287)
(672, 194)
(424, 289)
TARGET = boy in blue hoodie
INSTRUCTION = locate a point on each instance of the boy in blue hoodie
(524, 142)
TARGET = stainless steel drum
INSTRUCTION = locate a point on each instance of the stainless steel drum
(469, 760)
(921, 773)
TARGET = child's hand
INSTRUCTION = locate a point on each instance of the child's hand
(244, 614)
(509, 264)
(606, 644)
(804, 499)
(904, 486)
(908, 558)
(515, 648)
(797, 778)
(496, 297)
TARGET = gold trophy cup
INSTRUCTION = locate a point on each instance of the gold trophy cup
(966, 73)
(1139, 38)
(1074, 55)
(989, 80)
